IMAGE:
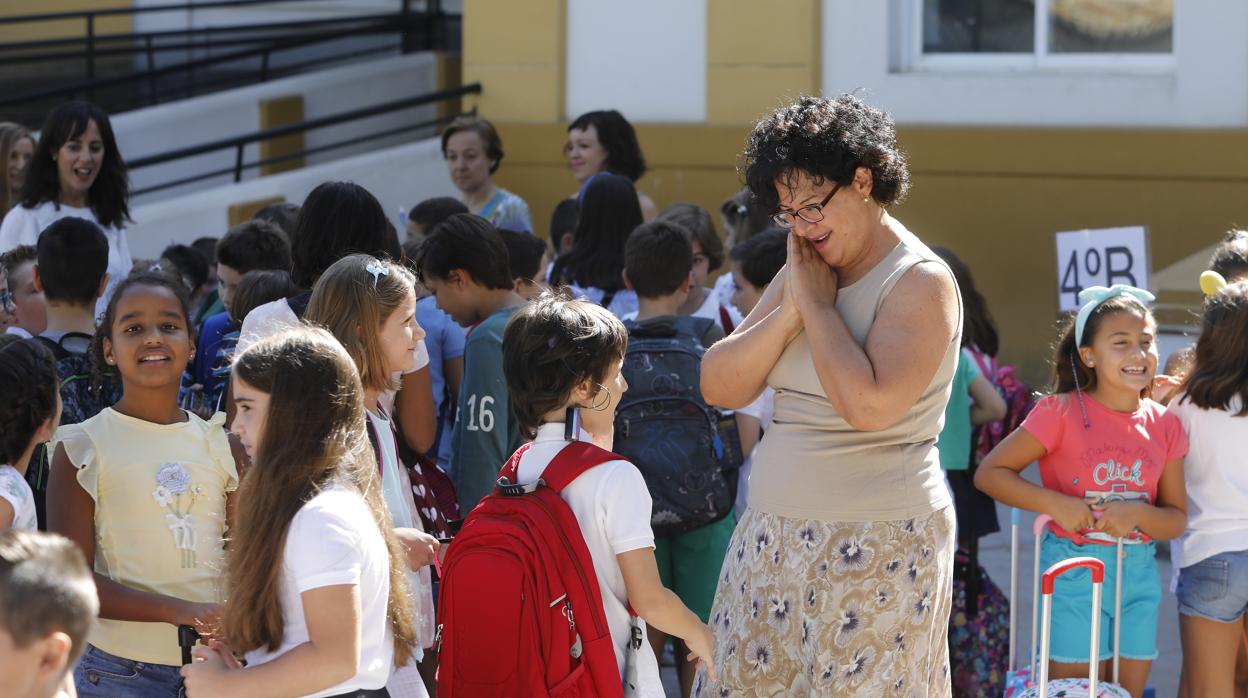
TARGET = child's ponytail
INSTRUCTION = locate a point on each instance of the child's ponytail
(1221, 372)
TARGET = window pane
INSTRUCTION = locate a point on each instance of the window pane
(1111, 26)
(978, 26)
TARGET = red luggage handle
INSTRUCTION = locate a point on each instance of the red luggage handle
(1058, 569)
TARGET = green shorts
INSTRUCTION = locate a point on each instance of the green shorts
(689, 564)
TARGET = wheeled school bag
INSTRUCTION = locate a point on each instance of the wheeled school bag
(519, 610)
(688, 452)
(1028, 682)
(1091, 687)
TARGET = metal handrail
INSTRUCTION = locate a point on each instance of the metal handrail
(131, 37)
(90, 38)
(238, 143)
(89, 85)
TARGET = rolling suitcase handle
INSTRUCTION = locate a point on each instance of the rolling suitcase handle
(1046, 590)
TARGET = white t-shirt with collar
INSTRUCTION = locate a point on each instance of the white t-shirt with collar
(612, 505)
(334, 540)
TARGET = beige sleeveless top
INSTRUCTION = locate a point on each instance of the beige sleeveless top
(813, 465)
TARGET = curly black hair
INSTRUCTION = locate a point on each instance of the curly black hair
(1230, 257)
(827, 139)
(28, 387)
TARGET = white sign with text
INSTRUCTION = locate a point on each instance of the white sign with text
(1101, 257)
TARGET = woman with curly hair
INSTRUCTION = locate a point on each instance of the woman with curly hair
(76, 171)
(838, 577)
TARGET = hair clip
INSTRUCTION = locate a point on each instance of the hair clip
(1211, 282)
(378, 270)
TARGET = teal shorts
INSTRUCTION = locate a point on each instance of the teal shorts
(1072, 601)
(689, 564)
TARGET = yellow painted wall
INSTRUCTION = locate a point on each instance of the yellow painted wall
(516, 50)
(996, 196)
(61, 28)
(759, 54)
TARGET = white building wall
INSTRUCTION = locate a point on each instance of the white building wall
(1207, 87)
(645, 58)
(220, 115)
(401, 176)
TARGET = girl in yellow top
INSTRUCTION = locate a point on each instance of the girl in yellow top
(144, 489)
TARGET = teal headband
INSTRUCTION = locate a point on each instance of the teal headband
(1093, 296)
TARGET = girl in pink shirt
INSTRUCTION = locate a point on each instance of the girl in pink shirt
(1111, 464)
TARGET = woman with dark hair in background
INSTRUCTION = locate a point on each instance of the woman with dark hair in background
(848, 538)
(604, 141)
(595, 266)
(17, 147)
(473, 151)
(76, 171)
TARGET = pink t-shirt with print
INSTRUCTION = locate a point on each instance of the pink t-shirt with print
(1119, 456)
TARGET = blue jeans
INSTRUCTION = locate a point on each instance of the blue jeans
(1215, 588)
(102, 675)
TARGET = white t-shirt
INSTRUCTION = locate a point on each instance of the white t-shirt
(723, 293)
(22, 226)
(763, 409)
(15, 490)
(1216, 474)
(612, 506)
(333, 540)
(709, 310)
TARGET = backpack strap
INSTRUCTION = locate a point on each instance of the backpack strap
(512, 466)
(571, 462)
(58, 352)
(725, 320)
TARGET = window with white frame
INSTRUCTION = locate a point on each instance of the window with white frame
(972, 34)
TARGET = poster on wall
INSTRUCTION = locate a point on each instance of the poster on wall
(1100, 257)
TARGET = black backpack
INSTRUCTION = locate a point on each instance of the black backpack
(688, 451)
(81, 400)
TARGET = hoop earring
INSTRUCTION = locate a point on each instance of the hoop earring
(600, 407)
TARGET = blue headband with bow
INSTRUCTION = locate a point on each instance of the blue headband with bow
(1093, 296)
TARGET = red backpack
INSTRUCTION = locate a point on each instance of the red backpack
(520, 612)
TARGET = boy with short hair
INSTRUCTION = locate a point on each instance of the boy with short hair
(563, 225)
(254, 245)
(426, 215)
(658, 259)
(529, 256)
(464, 264)
(71, 271)
(48, 604)
(29, 307)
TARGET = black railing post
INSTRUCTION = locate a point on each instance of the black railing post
(264, 66)
(238, 163)
(91, 52)
(408, 43)
(151, 67)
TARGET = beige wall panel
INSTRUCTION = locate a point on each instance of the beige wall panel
(740, 94)
(516, 93)
(61, 29)
(281, 111)
(749, 32)
(506, 32)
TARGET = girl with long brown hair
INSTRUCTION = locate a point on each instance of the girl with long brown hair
(316, 584)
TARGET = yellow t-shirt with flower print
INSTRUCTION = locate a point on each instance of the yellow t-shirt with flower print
(159, 492)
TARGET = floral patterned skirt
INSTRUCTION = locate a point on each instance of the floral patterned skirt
(821, 608)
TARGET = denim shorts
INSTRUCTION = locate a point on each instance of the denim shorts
(1072, 601)
(1215, 588)
(103, 675)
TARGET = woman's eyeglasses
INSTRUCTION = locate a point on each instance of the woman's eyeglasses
(811, 214)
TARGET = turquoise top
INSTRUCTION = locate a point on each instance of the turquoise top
(954, 443)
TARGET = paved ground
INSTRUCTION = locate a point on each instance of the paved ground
(995, 557)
